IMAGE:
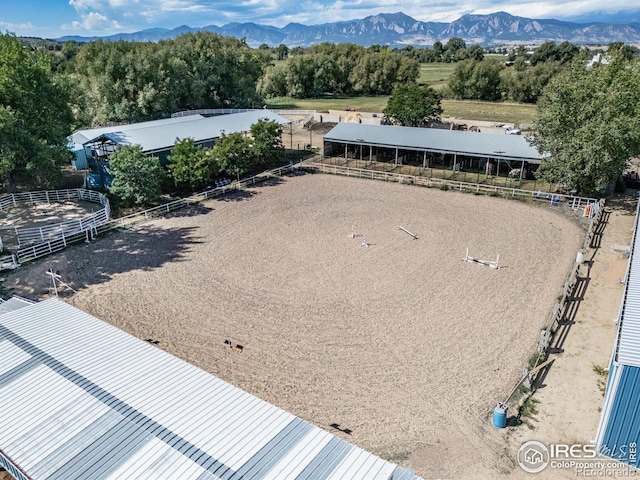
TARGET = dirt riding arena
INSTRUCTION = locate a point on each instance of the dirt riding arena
(402, 345)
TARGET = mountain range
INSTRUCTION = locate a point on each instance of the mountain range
(399, 30)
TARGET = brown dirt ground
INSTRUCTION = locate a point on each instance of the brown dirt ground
(40, 215)
(571, 400)
(402, 342)
(297, 136)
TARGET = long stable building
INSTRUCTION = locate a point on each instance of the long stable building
(157, 137)
(92, 147)
(427, 147)
(81, 399)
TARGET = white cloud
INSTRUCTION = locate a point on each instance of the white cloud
(84, 5)
(20, 28)
(93, 21)
(137, 14)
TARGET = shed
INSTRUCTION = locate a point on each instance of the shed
(116, 407)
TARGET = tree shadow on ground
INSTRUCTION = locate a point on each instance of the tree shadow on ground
(191, 211)
(145, 248)
(249, 191)
(621, 203)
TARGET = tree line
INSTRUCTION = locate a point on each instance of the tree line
(45, 93)
(344, 69)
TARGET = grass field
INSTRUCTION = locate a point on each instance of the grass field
(436, 75)
(470, 110)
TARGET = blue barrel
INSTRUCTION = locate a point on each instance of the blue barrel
(500, 416)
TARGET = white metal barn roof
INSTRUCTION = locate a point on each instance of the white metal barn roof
(82, 399)
(513, 147)
(12, 304)
(162, 135)
(84, 136)
(628, 339)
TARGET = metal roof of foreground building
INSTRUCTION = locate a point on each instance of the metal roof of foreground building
(514, 147)
(80, 398)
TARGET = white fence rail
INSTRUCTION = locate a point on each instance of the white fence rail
(34, 235)
(91, 231)
(575, 202)
(226, 111)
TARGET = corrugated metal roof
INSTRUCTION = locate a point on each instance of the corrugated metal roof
(619, 429)
(162, 136)
(114, 407)
(436, 140)
(628, 338)
(12, 304)
(83, 136)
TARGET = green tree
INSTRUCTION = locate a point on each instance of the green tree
(454, 50)
(274, 81)
(438, 51)
(132, 81)
(35, 117)
(473, 80)
(137, 177)
(475, 52)
(281, 51)
(413, 106)
(588, 123)
(267, 141)
(526, 85)
(550, 52)
(233, 154)
(626, 51)
(189, 163)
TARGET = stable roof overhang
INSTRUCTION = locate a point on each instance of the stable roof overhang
(162, 137)
(81, 399)
(507, 147)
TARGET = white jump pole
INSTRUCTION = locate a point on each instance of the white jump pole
(353, 233)
(415, 237)
(364, 241)
(486, 263)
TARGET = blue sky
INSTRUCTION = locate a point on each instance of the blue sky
(56, 18)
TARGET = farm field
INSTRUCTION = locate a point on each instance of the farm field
(436, 75)
(402, 342)
(464, 109)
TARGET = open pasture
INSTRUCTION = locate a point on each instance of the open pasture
(401, 345)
